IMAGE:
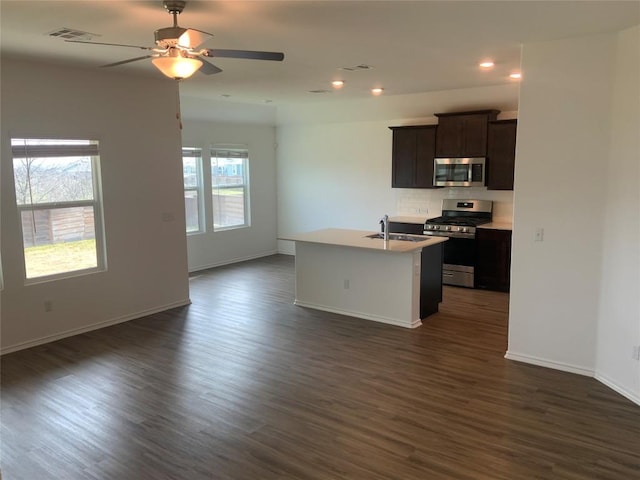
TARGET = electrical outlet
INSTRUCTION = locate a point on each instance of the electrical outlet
(636, 353)
(346, 284)
(539, 235)
(48, 305)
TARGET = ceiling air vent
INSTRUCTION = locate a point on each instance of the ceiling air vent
(357, 68)
(72, 34)
(319, 91)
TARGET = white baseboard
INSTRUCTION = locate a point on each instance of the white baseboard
(93, 326)
(366, 316)
(232, 260)
(634, 397)
(542, 362)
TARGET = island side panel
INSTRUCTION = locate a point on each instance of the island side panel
(371, 284)
(431, 280)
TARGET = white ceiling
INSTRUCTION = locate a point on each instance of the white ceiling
(413, 46)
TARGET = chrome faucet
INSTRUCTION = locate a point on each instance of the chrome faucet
(385, 227)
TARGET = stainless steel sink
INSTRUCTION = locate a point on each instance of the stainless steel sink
(399, 236)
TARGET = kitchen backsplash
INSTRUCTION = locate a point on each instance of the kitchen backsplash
(428, 202)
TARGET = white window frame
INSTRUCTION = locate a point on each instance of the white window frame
(199, 188)
(235, 149)
(90, 150)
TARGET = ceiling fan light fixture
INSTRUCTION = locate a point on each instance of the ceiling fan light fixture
(177, 68)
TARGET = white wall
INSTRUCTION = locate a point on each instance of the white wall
(141, 182)
(334, 159)
(561, 159)
(210, 249)
(619, 312)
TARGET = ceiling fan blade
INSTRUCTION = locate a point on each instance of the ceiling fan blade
(208, 68)
(192, 38)
(248, 54)
(110, 44)
(126, 61)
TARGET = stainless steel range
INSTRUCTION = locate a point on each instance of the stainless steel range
(458, 222)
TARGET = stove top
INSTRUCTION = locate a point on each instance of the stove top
(460, 221)
(459, 218)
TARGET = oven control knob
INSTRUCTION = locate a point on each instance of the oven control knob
(437, 227)
(464, 229)
(448, 228)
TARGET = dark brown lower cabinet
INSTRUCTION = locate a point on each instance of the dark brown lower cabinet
(493, 259)
(402, 227)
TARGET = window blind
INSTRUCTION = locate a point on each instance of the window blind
(54, 150)
(229, 152)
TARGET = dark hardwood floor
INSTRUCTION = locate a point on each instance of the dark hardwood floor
(244, 385)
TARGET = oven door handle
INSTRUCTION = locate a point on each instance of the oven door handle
(466, 236)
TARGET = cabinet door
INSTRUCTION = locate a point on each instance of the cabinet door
(410, 228)
(474, 136)
(425, 153)
(501, 153)
(403, 158)
(449, 136)
(412, 156)
(493, 259)
(463, 134)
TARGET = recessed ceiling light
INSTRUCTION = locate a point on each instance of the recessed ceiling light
(377, 91)
(488, 64)
(338, 83)
(516, 75)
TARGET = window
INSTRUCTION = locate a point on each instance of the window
(58, 199)
(192, 173)
(230, 187)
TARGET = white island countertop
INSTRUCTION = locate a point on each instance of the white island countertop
(359, 239)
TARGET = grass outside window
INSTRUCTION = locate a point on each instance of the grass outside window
(44, 260)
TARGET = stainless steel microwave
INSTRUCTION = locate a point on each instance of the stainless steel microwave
(459, 172)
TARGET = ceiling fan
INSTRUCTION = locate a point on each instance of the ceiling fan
(176, 53)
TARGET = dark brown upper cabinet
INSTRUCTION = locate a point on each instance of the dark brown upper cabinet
(463, 134)
(412, 156)
(501, 154)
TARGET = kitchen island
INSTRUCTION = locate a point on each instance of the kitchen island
(344, 271)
